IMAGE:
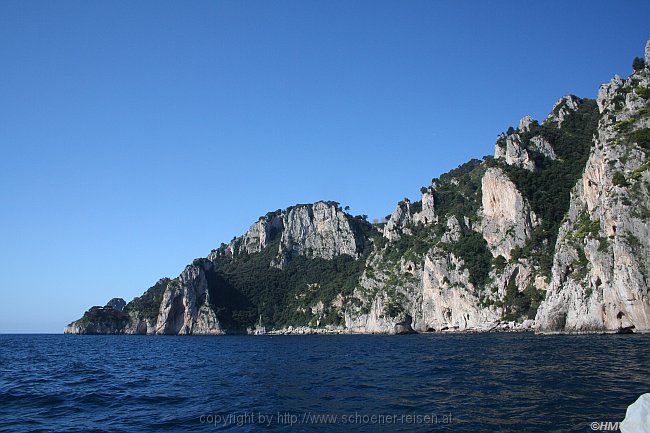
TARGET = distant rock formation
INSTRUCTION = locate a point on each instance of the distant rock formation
(116, 304)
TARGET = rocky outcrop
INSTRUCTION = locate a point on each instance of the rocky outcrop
(398, 221)
(507, 218)
(562, 108)
(116, 304)
(453, 232)
(607, 92)
(318, 230)
(510, 148)
(519, 152)
(449, 300)
(101, 326)
(600, 270)
(525, 123)
(259, 235)
(427, 215)
(541, 145)
(185, 307)
(321, 230)
(100, 320)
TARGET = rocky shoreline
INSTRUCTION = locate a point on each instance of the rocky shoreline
(513, 327)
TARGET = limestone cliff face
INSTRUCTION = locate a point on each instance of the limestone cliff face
(562, 108)
(427, 215)
(321, 230)
(449, 299)
(185, 307)
(513, 151)
(600, 270)
(507, 218)
(542, 146)
(398, 221)
(258, 235)
(433, 292)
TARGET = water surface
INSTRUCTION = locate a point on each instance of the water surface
(487, 382)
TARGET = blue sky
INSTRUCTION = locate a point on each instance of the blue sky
(136, 136)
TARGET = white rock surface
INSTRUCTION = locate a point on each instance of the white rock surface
(259, 234)
(602, 258)
(507, 218)
(525, 123)
(541, 145)
(321, 230)
(448, 298)
(428, 213)
(398, 220)
(185, 307)
(562, 108)
(514, 153)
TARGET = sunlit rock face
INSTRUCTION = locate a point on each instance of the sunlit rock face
(562, 108)
(320, 230)
(600, 270)
(507, 218)
(398, 221)
(514, 153)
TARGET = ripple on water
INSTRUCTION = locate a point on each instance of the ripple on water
(493, 382)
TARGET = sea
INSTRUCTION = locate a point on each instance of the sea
(509, 382)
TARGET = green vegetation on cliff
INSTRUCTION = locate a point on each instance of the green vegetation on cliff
(518, 305)
(548, 189)
(103, 320)
(247, 288)
(147, 306)
(458, 192)
(477, 259)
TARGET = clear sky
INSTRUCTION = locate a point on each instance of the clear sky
(136, 136)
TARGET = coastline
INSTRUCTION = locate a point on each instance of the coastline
(297, 331)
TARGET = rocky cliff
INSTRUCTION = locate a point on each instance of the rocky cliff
(507, 220)
(551, 234)
(289, 268)
(600, 268)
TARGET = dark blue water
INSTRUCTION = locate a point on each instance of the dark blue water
(487, 382)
